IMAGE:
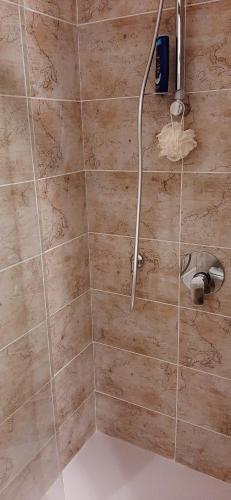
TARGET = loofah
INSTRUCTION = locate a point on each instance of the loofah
(174, 142)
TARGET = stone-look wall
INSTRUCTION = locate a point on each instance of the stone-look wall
(163, 375)
(46, 355)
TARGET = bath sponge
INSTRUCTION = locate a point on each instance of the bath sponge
(174, 142)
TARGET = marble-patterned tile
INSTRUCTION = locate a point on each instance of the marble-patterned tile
(67, 268)
(110, 134)
(15, 149)
(150, 329)
(207, 46)
(206, 209)
(63, 208)
(73, 384)
(58, 137)
(137, 425)
(52, 57)
(114, 55)
(24, 433)
(11, 72)
(71, 331)
(111, 267)
(112, 204)
(130, 377)
(205, 342)
(56, 8)
(34, 480)
(24, 369)
(96, 10)
(214, 302)
(204, 451)
(205, 400)
(18, 224)
(76, 430)
(21, 300)
(210, 117)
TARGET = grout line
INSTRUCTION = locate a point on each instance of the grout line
(73, 359)
(184, 243)
(19, 472)
(204, 428)
(142, 13)
(178, 312)
(28, 259)
(115, 171)
(128, 16)
(155, 94)
(23, 335)
(87, 216)
(135, 353)
(135, 404)
(163, 303)
(63, 174)
(41, 240)
(76, 410)
(163, 414)
(30, 181)
(59, 19)
(69, 303)
(129, 296)
(228, 379)
(163, 172)
(177, 364)
(64, 243)
(28, 400)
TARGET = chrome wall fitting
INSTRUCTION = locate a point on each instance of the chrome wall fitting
(203, 274)
(140, 262)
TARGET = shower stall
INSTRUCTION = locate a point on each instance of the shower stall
(115, 250)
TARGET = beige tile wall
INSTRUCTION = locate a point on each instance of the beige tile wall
(46, 354)
(163, 372)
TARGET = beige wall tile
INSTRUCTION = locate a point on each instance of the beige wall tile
(24, 369)
(110, 134)
(36, 477)
(63, 208)
(111, 267)
(207, 46)
(137, 379)
(150, 329)
(22, 300)
(11, 73)
(206, 208)
(112, 204)
(205, 342)
(57, 8)
(24, 433)
(15, 149)
(141, 427)
(204, 451)
(114, 54)
(210, 117)
(18, 224)
(70, 331)
(76, 430)
(205, 400)
(73, 384)
(214, 302)
(95, 10)
(58, 137)
(52, 57)
(67, 272)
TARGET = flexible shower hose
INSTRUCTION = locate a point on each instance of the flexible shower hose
(140, 154)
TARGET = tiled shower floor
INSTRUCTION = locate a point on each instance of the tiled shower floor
(109, 469)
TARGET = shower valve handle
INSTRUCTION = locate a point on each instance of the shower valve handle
(200, 284)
